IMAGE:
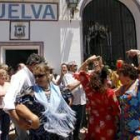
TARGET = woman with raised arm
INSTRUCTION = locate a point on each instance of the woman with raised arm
(102, 102)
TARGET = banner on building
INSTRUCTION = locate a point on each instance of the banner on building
(35, 11)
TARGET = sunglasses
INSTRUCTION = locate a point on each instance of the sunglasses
(39, 75)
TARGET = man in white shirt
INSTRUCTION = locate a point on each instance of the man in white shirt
(23, 79)
(79, 97)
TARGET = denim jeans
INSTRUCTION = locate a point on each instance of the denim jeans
(21, 134)
(4, 125)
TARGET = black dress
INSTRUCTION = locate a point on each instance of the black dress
(37, 108)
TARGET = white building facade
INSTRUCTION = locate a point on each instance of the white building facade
(45, 27)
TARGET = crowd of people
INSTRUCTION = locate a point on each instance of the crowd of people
(104, 103)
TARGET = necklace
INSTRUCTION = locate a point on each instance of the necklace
(46, 89)
(48, 95)
(47, 92)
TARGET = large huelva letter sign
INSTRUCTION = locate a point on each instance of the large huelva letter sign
(28, 11)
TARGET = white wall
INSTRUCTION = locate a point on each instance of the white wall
(63, 39)
(47, 32)
(70, 41)
(4, 30)
(70, 35)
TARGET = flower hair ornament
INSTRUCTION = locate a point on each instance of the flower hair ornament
(119, 63)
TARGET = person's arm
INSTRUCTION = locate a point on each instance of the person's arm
(73, 85)
(118, 91)
(90, 59)
(22, 123)
(133, 52)
(15, 87)
(70, 82)
(59, 80)
(70, 101)
(2, 93)
(26, 114)
(114, 102)
(3, 89)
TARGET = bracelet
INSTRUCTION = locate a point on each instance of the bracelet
(87, 62)
(138, 55)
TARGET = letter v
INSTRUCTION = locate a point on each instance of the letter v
(36, 12)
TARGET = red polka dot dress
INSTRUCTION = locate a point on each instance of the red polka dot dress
(103, 108)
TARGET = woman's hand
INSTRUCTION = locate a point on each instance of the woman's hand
(31, 120)
(35, 123)
(22, 123)
(133, 52)
(92, 58)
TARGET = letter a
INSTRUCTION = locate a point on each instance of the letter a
(48, 12)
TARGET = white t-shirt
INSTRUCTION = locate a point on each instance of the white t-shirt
(79, 97)
(3, 90)
(19, 81)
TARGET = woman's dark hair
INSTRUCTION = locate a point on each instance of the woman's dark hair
(128, 71)
(64, 64)
(35, 59)
(97, 80)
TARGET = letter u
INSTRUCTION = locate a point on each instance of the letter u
(2, 10)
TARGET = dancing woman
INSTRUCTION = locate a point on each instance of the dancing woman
(56, 119)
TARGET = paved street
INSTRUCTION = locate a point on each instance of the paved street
(12, 134)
